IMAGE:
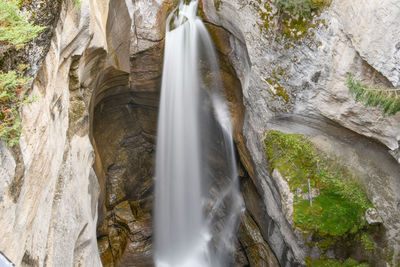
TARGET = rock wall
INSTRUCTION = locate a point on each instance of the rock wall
(49, 201)
(305, 73)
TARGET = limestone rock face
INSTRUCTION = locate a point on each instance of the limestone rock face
(286, 195)
(49, 201)
(7, 170)
(306, 74)
(374, 31)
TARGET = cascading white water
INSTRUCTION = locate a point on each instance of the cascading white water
(183, 234)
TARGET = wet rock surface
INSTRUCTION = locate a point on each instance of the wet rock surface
(125, 141)
(257, 251)
(124, 129)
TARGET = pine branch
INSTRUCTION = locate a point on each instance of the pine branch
(386, 98)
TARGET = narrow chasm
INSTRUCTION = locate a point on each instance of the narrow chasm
(123, 129)
(124, 111)
(123, 132)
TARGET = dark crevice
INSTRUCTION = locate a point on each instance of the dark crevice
(18, 180)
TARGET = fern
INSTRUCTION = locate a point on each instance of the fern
(385, 98)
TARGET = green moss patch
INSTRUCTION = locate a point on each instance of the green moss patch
(336, 216)
(294, 18)
(299, 8)
(274, 81)
(334, 263)
(330, 214)
(279, 90)
(267, 16)
(367, 242)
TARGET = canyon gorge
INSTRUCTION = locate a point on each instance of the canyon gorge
(78, 188)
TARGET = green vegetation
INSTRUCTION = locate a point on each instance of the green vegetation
(278, 89)
(337, 213)
(12, 87)
(217, 4)
(334, 263)
(367, 242)
(330, 214)
(274, 81)
(267, 16)
(387, 99)
(294, 18)
(77, 3)
(299, 8)
(15, 32)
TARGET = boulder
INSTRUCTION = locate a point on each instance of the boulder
(372, 217)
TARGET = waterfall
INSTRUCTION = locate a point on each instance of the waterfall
(195, 214)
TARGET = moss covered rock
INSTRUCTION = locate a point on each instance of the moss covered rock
(335, 216)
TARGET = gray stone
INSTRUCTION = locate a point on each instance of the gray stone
(372, 217)
(257, 250)
(7, 169)
(395, 154)
(286, 195)
(374, 30)
(315, 253)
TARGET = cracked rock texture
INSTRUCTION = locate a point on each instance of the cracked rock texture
(77, 190)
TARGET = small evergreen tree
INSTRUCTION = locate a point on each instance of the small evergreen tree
(12, 88)
(15, 32)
